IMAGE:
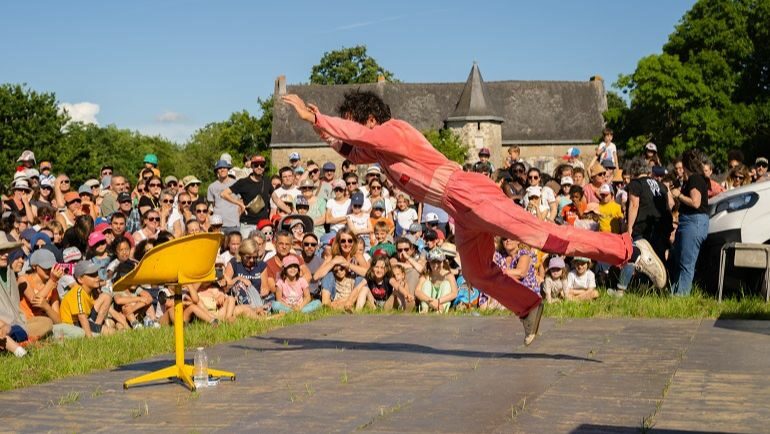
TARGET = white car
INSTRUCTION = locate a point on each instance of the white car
(739, 215)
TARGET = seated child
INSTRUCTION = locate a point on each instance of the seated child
(292, 291)
(437, 287)
(581, 282)
(555, 285)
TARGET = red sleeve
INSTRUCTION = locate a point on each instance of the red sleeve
(387, 138)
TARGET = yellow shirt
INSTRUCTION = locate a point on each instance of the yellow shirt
(612, 217)
(76, 301)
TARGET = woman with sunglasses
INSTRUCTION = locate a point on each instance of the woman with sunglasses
(150, 226)
(62, 185)
(738, 177)
(377, 193)
(151, 197)
(71, 211)
(344, 253)
(166, 208)
(337, 208)
(201, 210)
(547, 196)
(43, 196)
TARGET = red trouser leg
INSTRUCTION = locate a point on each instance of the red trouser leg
(479, 203)
(476, 250)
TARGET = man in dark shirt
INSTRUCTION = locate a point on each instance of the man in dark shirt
(248, 189)
(649, 216)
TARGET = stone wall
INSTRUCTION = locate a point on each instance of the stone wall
(547, 157)
(489, 135)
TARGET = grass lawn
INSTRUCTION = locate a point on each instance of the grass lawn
(54, 360)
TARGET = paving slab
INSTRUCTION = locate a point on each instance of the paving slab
(437, 374)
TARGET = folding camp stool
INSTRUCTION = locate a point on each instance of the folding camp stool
(747, 256)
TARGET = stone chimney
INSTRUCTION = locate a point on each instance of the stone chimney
(601, 93)
(280, 85)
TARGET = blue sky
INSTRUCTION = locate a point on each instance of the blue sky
(170, 67)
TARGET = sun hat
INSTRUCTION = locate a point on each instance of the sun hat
(42, 258)
(33, 173)
(307, 183)
(596, 169)
(151, 159)
(92, 182)
(169, 179)
(436, 254)
(556, 262)
(190, 180)
(27, 155)
(374, 170)
(290, 260)
(226, 157)
(21, 184)
(450, 250)
(567, 180)
(222, 164)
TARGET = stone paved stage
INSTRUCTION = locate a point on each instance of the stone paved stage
(408, 373)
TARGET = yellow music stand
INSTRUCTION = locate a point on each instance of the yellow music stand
(178, 262)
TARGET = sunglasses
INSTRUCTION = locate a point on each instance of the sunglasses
(172, 184)
(185, 202)
(533, 177)
(346, 240)
(199, 211)
(739, 177)
(267, 232)
(65, 181)
(92, 275)
(357, 206)
(762, 165)
(306, 188)
(309, 244)
(404, 249)
(154, 184)
(338, 189)
(74, 201)
(375, 187)
(153, 219)
(107, 172)
(352, 183)
(313, 172)
(255, 164)
(167, 201)
(250, 258)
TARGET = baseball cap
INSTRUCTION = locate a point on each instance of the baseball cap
(659, 171)
(567, 180)
(299, 170)
(608, 164)
(216, 220)
(338, 184)
(95, 238)
(124, 197)
(92, 182)
(290, 260)
(605, 189)
(71, 196)
(431, 217)
(651, 147)
(151, 159)
(294, 156)
(436, 254)
(484, 151)
(534, 191)
(84, 189)
(71, 254)
(42, 258)
(301, 201)
(27, 234)
(46, 183)
(222, 164)
(307, 183)
(101, 227)
(45, 165)
(556, 262)
(415, 227)
(380, 204)
(33, 173)
(374, 170)
(329, 166)
(580, 259)
(357, 199)
(760, 160)
(571, 153)
(85, 267)
(169, 179)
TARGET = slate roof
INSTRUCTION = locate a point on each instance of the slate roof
(532, 112)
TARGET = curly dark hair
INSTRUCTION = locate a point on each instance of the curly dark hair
(359, 105)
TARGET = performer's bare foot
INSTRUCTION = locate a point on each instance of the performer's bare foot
(531, 323)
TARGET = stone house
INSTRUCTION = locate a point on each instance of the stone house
(544, 118)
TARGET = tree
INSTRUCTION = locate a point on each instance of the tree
(709, 88)
(28, 120)
(348, 66)
(448, 143)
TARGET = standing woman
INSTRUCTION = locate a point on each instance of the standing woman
(693, 222)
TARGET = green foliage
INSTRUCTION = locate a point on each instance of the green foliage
(28, 120)
(709, 88)
(448, 143)
(348, 66)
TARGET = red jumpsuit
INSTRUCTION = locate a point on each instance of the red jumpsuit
(480, 209)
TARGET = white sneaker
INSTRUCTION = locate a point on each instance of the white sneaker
(615, 292)
(649, 264)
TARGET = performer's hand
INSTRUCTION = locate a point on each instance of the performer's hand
(305, 113)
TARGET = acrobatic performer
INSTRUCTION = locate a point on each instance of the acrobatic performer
(366, 134)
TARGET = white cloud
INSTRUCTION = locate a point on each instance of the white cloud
(176, 132)
(169, 117)
(81, 112)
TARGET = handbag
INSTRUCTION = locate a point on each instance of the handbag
(256, 205)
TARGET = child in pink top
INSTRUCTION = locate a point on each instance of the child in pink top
(481, 210)
(292, 292)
